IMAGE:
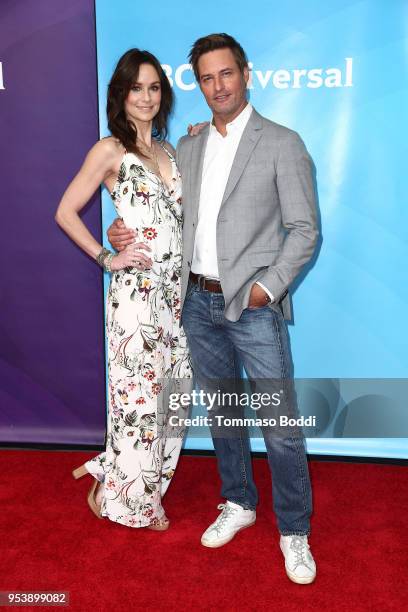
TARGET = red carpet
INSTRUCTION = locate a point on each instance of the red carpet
(52, 541)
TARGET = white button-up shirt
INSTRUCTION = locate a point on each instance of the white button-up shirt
(218, 159)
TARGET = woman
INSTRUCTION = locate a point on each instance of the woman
(145, 342)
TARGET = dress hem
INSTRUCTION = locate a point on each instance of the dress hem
(126, 524)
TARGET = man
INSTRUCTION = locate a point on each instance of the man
(249, 227)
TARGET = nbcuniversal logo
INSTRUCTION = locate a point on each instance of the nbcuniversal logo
(313, 78)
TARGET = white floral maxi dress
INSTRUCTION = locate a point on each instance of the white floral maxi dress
(145, 344)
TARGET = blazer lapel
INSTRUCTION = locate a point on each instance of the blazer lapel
(197, 161)
(249, 138)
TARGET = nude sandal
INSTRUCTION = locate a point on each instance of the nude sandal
(92, 503)
(161, 524)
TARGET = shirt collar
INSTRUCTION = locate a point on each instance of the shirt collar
(238, 123)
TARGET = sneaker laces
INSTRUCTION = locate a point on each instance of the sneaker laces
(227, 512)
(300, 546)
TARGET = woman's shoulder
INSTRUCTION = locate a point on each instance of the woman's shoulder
(106, 151)
(109, 145)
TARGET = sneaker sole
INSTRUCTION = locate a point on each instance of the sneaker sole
(298, 579)
(220, 543)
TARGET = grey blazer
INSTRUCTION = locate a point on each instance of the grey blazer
(267, 224)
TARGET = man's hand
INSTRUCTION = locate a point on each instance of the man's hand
(258, 297)
(194, 130)
(120, 236)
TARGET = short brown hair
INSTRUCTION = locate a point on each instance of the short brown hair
(212, 42)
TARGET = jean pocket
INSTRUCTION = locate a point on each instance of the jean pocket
(254, 308)
(276, 308)
(191, 287)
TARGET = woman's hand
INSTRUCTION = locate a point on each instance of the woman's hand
(131, 257)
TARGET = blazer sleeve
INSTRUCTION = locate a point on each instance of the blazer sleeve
(181, 146)
(297, 199)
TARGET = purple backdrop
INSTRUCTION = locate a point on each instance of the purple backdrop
(52, 385)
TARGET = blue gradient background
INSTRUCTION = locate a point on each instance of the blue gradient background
(350, 311)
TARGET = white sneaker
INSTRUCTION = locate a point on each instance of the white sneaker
(299, 563)
(232, 519)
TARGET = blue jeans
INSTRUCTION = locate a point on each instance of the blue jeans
(259, 339)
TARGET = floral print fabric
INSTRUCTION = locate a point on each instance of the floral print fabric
(146, 344)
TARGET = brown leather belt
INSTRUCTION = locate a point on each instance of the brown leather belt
(206, 284)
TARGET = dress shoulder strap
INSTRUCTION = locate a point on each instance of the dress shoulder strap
(169, 154)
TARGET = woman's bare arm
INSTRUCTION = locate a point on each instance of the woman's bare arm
(98, 165)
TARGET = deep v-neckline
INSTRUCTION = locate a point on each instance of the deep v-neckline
(147, 169)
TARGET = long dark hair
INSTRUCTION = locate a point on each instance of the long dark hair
(125, 75)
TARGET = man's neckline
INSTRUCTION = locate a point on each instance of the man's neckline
(239, 119)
